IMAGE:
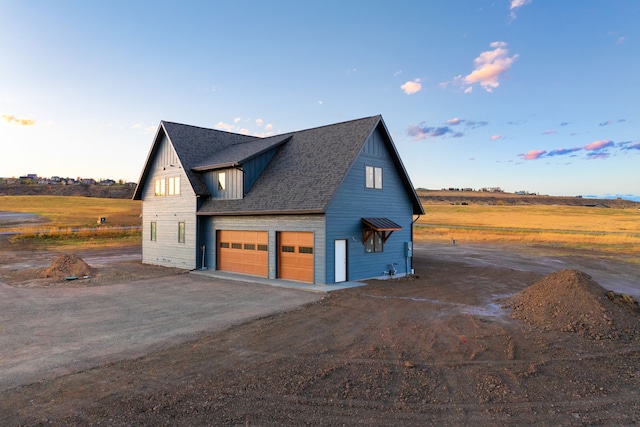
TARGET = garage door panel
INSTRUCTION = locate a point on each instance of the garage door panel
(243, 252)
(295, 256)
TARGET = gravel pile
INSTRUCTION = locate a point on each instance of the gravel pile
(68, 266)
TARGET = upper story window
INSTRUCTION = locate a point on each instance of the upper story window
(222, 180)
(159, 187)
(374, 177)
(174, 186)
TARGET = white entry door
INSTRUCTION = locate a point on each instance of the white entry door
(341, 261)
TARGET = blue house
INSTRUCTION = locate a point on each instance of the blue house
(322, 205)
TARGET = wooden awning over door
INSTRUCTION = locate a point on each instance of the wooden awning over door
(383, 225)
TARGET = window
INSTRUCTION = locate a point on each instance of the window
(174, 186)
(181, 232)
(263, 247)
(236, 245)
(224, 245)
(153, 231)
(374, 243)
(305, 250)
(222, 180)
(374, 177)
(288, 249)
(249, 247)
(159, 185)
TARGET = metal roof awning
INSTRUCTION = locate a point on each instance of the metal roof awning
(384, 225)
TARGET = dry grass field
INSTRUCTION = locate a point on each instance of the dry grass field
(579, 227)
(503, 218)
(63, 220)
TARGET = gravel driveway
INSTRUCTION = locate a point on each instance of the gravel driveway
(48, 332)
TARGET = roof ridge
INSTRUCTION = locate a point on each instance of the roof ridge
(378, 116)
(208, 129)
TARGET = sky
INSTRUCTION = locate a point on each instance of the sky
(526, 95)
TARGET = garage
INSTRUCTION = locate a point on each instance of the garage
(295, 256)
(243, 252)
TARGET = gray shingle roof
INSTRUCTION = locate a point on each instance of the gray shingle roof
(237, 154)
(302, 177)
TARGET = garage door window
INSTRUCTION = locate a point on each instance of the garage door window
(305, 250)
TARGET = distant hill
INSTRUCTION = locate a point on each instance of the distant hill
(510, 199)
(81, 190)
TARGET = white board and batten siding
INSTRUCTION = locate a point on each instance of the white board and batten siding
(167, 211)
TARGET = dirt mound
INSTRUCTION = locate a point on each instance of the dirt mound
(571, 301)
(68, 266)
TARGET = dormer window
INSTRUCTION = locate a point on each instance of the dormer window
(222, 181)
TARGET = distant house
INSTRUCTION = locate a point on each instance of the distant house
(88, 181)
(107, 182)
(321, 205)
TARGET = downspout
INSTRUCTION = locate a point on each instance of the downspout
(412, 243)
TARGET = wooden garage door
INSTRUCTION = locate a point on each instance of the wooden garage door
(243, 252)
(295, 256)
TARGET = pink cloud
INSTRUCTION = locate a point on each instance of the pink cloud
(495, 137)
(453, 121)
(599, 145)
(549, 132)
(489, 67)
(533, 154)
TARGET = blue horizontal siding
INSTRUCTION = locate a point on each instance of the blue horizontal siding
(354, 201)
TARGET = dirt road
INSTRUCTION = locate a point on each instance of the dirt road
(435, 349)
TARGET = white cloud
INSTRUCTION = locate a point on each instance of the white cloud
(259, 122)
(225, 126)
(268, 127)
(397, 73)
(411, 87)
(516, 4)
(236, 120)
